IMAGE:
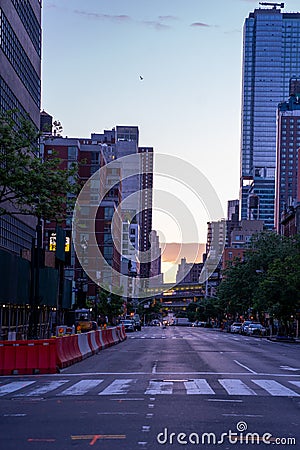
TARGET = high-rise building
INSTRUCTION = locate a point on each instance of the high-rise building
(145, 217)
(20, 90)
(270, 58)
(288, 144)
(20, 57)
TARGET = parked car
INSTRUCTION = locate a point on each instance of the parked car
(129, 325)
(199, 324)
(155, 323)
(235, 327)
(245, 325)
(256, 329)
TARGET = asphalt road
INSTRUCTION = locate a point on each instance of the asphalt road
(162, 388)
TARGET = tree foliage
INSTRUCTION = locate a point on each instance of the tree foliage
(267, 281)
(110, 304)
(29, 184)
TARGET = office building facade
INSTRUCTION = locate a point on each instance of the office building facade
(271, 48)
(288, 145)
(20, 57)
(20, 89)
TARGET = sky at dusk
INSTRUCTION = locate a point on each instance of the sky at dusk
(188, 103)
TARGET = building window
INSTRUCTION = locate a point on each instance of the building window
(30, 23)
(15, 53)
(72, 153)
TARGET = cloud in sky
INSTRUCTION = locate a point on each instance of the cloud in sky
(167, 18)
(200, 25)
(156, 24)
(99, 16)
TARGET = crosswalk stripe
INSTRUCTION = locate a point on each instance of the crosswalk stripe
(14, 386)
(118, 387)
(236, 387)
(47, 387)
(274, 388)
(80, 388)
(296, 383)
(198, 386)
(159, 387)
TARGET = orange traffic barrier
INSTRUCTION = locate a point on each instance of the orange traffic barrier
(110, 337)
(104, 335)
(92, 342)
(100, 344)
(46, 356)
(27, 357)
(49, 355)
(123, 333)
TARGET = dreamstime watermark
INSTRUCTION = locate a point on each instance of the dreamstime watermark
(240, 436)
(129, 173)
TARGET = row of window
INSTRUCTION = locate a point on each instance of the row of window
(18, 58)
(30, 22)
(9, 102)
(14, 234)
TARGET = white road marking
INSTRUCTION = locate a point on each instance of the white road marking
(236, 387)
(145, 428)
(47, 387)
(14, 386)
(242, 415)
(14, 415)
(245, 367)
(117, 414)
(292, 369)
(159, 387)
(127, 399)
(198, 386)
(274, 388)
(154, 367)
(118, 387)
(89, 374)
(223, 400)
(80, 388)
(296, 383)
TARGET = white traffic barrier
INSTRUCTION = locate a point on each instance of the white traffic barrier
(83, 344)
(101, 340)
(115, 335)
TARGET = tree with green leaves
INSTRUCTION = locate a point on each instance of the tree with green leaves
(29, 184)
(267, 282)
(109, 304)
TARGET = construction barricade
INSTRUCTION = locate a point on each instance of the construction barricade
(115, 335)
(27, 357)
(99, 340)
(84, 347)
(92, 341)
(104, 336)
(49, 355)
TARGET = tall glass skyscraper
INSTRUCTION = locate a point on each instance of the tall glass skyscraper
(271, 56)
(20, 90)
(20, 57)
